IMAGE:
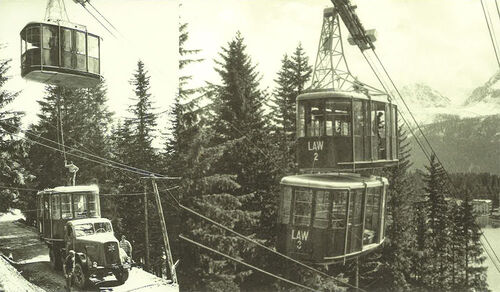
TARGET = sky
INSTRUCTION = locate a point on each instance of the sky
(148, 30)
(442, 43)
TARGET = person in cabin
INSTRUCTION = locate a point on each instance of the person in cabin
(69, 269)
(126, 246)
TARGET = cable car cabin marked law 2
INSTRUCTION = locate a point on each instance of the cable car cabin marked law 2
(339, 130)
(60, 53)
(325, 218)
(58, 205)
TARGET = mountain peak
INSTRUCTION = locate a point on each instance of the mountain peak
(489, 92)
(423, 96)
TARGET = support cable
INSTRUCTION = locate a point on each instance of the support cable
(135, 169)
(97, 19)
(490, 32)
(104, 18)
(257, 243)
(245, 264)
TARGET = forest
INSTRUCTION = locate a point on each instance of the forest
(230, 144)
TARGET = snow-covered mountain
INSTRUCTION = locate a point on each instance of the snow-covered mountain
(424, 102)
(423, 96)
(488, 93)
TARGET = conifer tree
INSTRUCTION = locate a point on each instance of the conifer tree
(294, 73)
(235, 176)
(12, 149)
(438, 228)
(469, 240)
(133, 146)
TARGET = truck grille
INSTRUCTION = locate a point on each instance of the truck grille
(112, 253)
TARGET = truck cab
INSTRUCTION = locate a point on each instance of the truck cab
(97, 250)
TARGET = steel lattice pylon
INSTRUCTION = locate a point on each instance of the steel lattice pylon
(331, 70)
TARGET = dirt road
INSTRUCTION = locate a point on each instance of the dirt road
(32, 256)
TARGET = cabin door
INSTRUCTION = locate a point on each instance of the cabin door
(46, 217)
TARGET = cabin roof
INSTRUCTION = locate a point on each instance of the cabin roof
(340, 95)
(71, 189)
(333, 181)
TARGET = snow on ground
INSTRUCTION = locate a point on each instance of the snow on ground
(12, 281)
(12, 215)
(493, 235)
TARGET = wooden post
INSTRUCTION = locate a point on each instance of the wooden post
(164, 231)
(146, 228)
(356, 274)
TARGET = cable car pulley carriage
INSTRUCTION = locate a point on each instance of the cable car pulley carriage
(328, 212)
(59, 52)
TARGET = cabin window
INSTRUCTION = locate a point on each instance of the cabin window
(286, 204)
(321, 210)
(32, 46)
(301, 121)
(355, 219)
(338, 116)
(339, 209)
(93, 205)
(302, 207)
(67, 46)
(50, 45)
(55, 206)
(80, 205)
(359, 110)
(81, 51)
(378, 119)
(93, 54)
(315, 119)
(372, 215)
(66, 206)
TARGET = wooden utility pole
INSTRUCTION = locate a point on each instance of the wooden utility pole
(146, 228)
(168, 252)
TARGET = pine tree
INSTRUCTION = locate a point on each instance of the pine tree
(12, 150)
(295, 71)
(133, 146)
(438, 228)
(472, 256)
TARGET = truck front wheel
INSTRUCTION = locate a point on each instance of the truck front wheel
(121, 275)
(55, 258)
(80, 278)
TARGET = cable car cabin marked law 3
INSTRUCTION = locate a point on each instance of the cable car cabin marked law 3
(329, 217)
(60, 53)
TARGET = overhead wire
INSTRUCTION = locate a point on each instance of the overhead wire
(244, 263)
(97, 19)
(257, 243)
(108, 161)
(495, 45)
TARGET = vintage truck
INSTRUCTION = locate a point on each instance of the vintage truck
(69, 218)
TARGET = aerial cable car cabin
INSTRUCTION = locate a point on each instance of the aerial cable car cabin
(348, 131)
(60, 53)
(324, 218)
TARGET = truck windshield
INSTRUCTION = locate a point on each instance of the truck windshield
(89, 228)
